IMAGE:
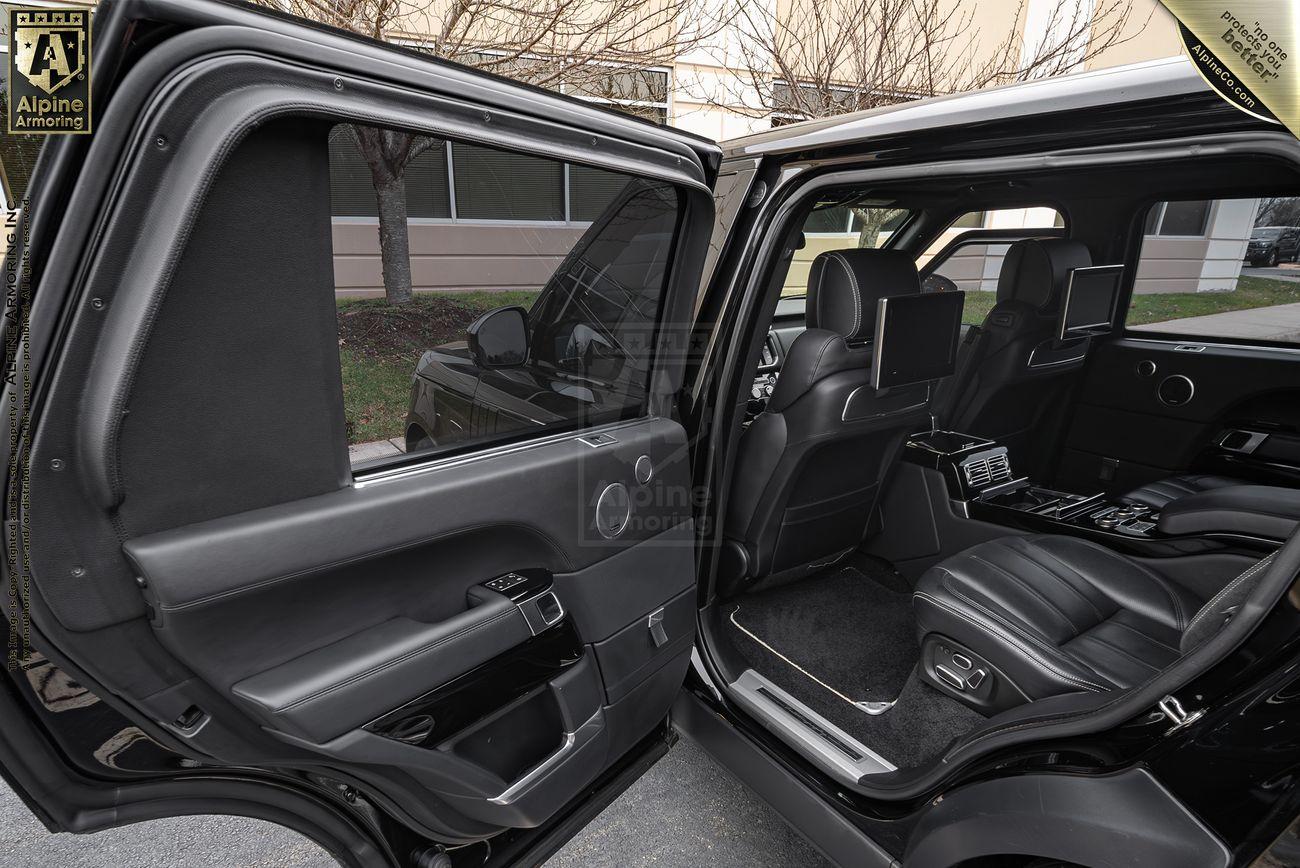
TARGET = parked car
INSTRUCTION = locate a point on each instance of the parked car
(1269, 245)
(1021, 592)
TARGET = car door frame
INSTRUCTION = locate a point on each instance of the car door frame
(61, 219)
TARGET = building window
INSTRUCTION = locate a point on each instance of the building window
(490, 184)
(1178, 219)
(352, 187)
(500, 185)
(642, 93)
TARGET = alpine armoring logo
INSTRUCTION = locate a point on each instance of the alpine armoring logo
(49, 72)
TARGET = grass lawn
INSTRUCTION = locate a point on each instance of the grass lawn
(1146, 309)
(379, 345)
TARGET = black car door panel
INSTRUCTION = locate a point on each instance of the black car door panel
(1122, 417)
(200, 548)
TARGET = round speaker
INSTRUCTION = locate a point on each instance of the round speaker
(645, 470)
(1146, 368)
(1176, 390)
(613, 509)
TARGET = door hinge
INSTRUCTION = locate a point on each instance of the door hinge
(1171, 708)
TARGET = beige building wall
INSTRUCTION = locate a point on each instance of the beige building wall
(708, 96)
(453, 256)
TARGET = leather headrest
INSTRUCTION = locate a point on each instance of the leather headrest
(1036, 270)
(844, 286)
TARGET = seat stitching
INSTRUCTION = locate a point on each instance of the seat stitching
(857, 293)
(1030, 588)
(1180, 615)
(1100, 615)
(1149, 638)
(1118, 650)
(1030, 657)
(1209, 607)
(1020, 631)
(1015, 628)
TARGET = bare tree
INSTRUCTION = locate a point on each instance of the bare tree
(1278, 211)
(596, 48)
(818, 58)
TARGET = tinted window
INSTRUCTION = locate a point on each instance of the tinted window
(1215, 270)
(831, 226)
(500, 230)
(500, 185)
(600, 309)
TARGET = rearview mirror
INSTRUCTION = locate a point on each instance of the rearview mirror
(499, 338)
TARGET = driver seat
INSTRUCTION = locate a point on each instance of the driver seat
(810, 466)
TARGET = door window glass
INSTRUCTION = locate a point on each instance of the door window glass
(582, 252)
(974, 265)
(1220, 269)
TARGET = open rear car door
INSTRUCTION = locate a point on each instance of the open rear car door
(442, 647)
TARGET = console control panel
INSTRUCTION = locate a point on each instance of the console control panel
(1126, 518)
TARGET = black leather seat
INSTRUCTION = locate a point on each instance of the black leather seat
(1010, 371)
(1163, 492)
(1046, 615)
(810, 467)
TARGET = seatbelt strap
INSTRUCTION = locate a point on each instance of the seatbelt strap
(974, 343)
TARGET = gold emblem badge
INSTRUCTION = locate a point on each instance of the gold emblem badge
(1243, 49)
(49, 72)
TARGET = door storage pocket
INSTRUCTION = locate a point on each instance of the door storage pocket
(637, 651)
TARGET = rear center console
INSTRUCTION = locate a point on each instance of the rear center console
(982, 484)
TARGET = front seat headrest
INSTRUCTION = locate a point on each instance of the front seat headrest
(844, 286)
(1036, 270)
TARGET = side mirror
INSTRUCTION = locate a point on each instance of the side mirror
(499, 338)
(938, 283)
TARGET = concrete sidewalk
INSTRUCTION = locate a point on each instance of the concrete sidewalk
(1277, 323)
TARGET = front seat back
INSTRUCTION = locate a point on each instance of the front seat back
(810, 466)
(1011, 372)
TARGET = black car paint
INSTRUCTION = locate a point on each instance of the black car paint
(1215, 766)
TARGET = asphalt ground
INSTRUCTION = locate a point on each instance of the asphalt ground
(685, 811)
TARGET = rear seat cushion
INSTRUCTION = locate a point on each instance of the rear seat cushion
(1056, 614)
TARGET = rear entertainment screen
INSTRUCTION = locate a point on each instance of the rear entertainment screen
(916, 338)
(1089, 304)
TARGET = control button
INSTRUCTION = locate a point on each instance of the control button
(503, 583)
(976, 678)
(946, 674)
(961, 661)
(1107, 522)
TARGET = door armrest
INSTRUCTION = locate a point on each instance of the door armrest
(345, 684)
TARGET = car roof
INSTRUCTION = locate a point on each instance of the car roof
(1155, 79)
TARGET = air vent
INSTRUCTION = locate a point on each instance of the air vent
(983, 472)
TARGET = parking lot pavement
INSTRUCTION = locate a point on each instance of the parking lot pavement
(686, 811)
(1285, 271)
